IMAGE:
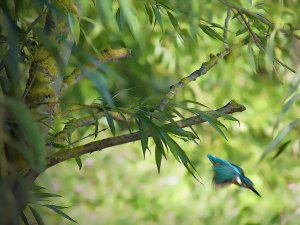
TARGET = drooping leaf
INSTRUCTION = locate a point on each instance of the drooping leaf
(74, 26)
(282, 134)
(251, 57)
(24, 219)
(110, 121)
(210, 32)
(157, 16)
(149, 12)
(78, 161)
(281, 148)
(37, 216)
(286, 107)
(58, 210)
(158, 157)
(144, 135)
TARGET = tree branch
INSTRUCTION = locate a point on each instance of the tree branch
(63, 155)
(193, 76)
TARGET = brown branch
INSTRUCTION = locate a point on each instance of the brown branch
(64, 155)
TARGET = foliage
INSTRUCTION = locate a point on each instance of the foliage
(132, 58)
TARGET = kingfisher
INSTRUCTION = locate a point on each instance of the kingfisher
(229, 173)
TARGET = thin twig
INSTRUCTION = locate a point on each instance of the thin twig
(226, 28)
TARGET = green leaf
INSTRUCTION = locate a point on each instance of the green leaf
(24, 219)
(251, 57)
(175, 129)
(157, 16)
(180, 155)
(144, 135)
(100, 83)
(213, 122)
(174, 22)
(43, 195)
(78, 161)
(226, 116)
(74, 26)
(120, 20)
(279, 138)
(110, 121)
(37, 216)
(269, 56)
(210, 32)
(286, 107)
(57, 210)
(242, 30)
(149, 12)
(281, 148)
(158, 157)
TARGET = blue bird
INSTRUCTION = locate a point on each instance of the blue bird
(229, 173)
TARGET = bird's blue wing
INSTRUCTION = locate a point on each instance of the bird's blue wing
(219, 162)
(224, 174)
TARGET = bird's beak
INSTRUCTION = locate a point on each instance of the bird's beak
(253, 189)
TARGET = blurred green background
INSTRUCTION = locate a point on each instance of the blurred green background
(118, 186)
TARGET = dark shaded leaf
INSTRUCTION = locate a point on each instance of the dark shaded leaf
(78, 161)
(24, 219)
(282, 147)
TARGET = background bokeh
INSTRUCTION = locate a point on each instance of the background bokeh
(119, 186)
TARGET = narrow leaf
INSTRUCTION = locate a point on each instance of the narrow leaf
(110, 121)
(37, 216)
(158, 157)
(279, 137)
(78, 161)
(157, 16)
(251, 57)
(74, 26)
(61, 213)
(281, 149)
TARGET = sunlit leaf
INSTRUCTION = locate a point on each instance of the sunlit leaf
(74, 26)
(286, 107)
(251, 57)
